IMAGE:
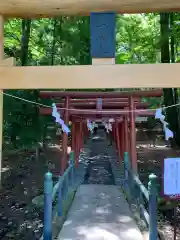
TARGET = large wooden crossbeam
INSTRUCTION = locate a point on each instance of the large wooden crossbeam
(8, 62)
(50, 8)
(91, 76)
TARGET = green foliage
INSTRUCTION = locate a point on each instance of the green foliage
(66, 41)
(137, 38)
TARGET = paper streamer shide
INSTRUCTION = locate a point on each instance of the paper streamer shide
(99, 104)
(168, 133)
(89, 125)
(58, 119)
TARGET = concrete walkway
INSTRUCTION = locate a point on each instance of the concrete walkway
(99, 212)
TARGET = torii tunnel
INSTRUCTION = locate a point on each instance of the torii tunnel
(123, 107)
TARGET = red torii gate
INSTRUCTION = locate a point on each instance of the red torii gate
(87, 95)
(122, 105)
(106, 105)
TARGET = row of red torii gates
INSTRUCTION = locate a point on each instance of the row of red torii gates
(77, 107)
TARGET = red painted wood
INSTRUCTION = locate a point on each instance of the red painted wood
(81, 136)
(133, 135)
(123, 139)
(126, 135)
(93, 112)
(65, 138)
(77, 145)
(108, 105)
(73, 134)
(118, 139)
(105, 100)
(74, 94)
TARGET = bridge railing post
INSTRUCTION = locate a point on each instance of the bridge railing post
(50, 193)
(126, 174)
(152, 187)
(135, 190)
(72, 162)
(64, 182)
(60, 198)
(48, 189)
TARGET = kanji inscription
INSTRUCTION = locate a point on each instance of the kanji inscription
(103, 35)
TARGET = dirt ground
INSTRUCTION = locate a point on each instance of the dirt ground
(22, 181)
(150, 160)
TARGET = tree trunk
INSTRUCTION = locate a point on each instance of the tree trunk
(169, 98)
(26, 27)
(54, 42)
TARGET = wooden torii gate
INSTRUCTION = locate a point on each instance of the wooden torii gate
(107, 74)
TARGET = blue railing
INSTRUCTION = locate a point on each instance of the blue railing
(136, 191)
(60, 189)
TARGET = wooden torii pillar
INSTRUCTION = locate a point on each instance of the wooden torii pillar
(64, 160)
(1, 91)
(3, 62)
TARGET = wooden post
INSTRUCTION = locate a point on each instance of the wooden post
(153, 233)
(133, 135)
(86, 133)
(122, 138)
(126, 174)
(1, 94)
(79, 139)
(48, 189)
(112, 133)
(73, 134)
(117, 125)
(126, 137)
(64, 160)
(81, 135)
(77, 144)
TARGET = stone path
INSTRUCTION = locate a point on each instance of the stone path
(99, 167)
(99, 210)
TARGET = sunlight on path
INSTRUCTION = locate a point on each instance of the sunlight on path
(100, 212)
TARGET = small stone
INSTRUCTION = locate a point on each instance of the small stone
(17, 205)
(40, 225)
(10, 224)
(22, 225)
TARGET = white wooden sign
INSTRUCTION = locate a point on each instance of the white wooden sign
(172, 177)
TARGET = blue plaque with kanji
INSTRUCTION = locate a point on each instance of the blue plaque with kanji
(103, 34)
